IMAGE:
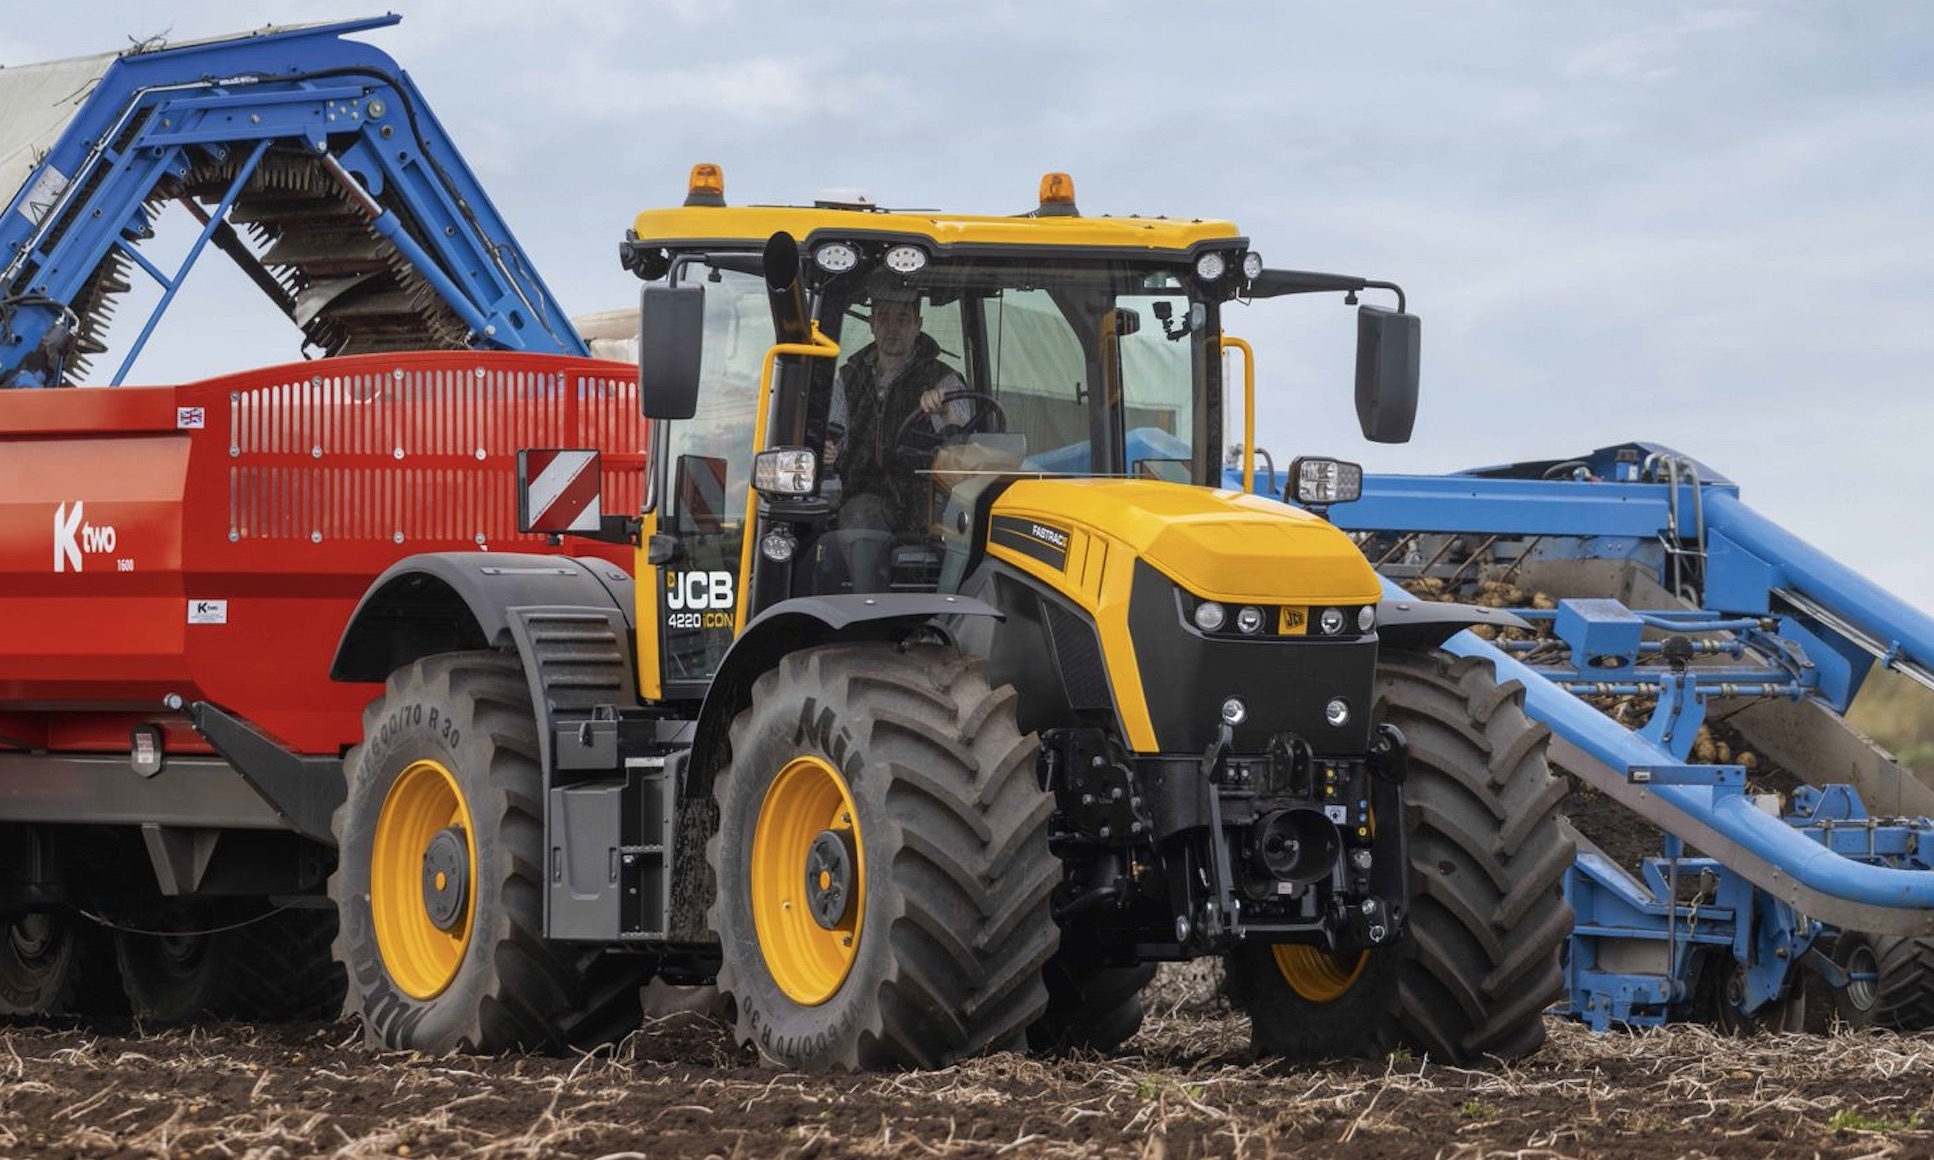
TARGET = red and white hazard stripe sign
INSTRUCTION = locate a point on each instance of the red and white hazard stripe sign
(562, 495)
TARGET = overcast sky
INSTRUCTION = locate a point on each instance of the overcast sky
(1702, 225)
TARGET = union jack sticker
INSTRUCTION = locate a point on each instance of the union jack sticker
(190, 418)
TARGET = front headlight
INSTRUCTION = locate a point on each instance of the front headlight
(1210, 616)
(1324, 481)
(785, 471)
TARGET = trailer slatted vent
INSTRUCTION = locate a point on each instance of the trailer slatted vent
(418, 454)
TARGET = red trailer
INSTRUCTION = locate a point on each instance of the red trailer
(205, 545)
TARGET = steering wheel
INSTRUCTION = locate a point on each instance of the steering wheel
(916, 437)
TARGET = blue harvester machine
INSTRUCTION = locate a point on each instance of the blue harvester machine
(1668, 595)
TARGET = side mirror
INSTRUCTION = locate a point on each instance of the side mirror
(1387, 344)
(671, 337)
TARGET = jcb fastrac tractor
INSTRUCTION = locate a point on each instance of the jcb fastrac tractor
(955, 781)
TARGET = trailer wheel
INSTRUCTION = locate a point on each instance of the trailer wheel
(882, 862)
(439, 883)
(1724, 980)
(173, 978)
(1893, 985)
(1478, 963)
(1091, 1006)
(283, 969)
(56, 963)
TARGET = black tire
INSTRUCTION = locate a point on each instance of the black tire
(939, 927)
(457, 728)
(1900, 994)
(284, 971)
(1479, 960)
(1091, 1006)
(1722, 979)
(57, 963)
(272, 967)
(1858, 1003)
(177, 977)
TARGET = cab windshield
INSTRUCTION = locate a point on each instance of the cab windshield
(1075, 368)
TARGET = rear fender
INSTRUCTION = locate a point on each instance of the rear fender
(462, 601)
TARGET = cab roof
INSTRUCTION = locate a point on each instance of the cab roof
(748, 227)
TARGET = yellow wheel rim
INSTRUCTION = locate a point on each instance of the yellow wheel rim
(421, 956)
(1316, 974)
(805, 803)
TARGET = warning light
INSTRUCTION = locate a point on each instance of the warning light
(1057, 196)
(707, 186)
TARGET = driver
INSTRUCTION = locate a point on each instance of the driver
(878, 392)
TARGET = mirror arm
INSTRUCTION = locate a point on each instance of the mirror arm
(1393, 288)
(612, 529)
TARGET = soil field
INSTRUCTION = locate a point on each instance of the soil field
(1185, 1088)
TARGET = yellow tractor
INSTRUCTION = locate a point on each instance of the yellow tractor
(953, 694)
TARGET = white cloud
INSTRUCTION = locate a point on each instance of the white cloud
(1653, 53)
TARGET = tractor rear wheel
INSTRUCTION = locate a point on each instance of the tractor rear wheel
(439, 885)
(1478, 962)
(882, 862)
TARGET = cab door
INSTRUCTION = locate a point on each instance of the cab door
(703, 469)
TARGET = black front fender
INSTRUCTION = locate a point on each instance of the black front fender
(1414, 624)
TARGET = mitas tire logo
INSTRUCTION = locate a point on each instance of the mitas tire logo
(75, 538)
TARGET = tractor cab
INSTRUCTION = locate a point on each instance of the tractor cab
(847, 386)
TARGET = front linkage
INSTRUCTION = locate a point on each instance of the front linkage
(1182, 856)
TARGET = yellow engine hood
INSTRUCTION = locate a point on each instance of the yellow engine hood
(1224, 545)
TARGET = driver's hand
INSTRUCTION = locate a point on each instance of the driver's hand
(934, 399)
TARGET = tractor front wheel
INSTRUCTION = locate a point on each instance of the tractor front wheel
(882, 862)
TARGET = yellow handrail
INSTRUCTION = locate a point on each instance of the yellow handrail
(1248, 410)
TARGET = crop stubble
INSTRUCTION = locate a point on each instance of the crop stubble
(1185, 1088)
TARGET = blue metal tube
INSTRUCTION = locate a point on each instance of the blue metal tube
(1818, 576)
(1733, 815)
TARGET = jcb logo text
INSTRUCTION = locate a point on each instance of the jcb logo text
(698, 590)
